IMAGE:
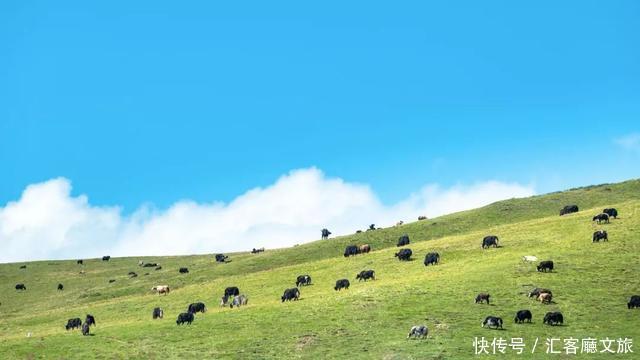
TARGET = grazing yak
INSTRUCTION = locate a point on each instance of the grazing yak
(290, 294)
(73, 323)
(553, 318)
(221, 258)
(492, 321)
(403, 240)
(21, 287)
(634, 302)
(569, 209)
(366, 275)
(158, 268)
(529, 258)
(523, 315)
(185, 318)
(341, 284)
(23, 267)
(112, 281)
(418, 331)
(132, 274)
(601, 218)
(161, 289)
(197, 307)
(350, 250)
(239, 300)
(537, 291)
(612, 212)
(364, 249)
(255, 251)
(90, 320)
(158, 313)
(482, 297)
(106, 258)
(422, 217)
(85, 329)
(490, 240)
(303, 280)
(229, 293)
(183, 270)
(150, 265)
(600, 235)
(232, 291)
(404, 254)
(545, 298)
(431, 258)
(60, 287)
(80, 262)
(545, 266)
(324, 233)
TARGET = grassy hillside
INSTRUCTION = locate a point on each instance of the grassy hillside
(591, 285)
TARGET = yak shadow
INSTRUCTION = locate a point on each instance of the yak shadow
(290, 301)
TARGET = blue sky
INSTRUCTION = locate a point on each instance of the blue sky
(155, 102)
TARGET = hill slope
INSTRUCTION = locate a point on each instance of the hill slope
(591, 285)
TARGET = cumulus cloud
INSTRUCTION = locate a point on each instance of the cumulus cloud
(629, 142)
(47, 222)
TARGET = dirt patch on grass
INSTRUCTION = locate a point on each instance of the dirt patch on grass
(305, 341)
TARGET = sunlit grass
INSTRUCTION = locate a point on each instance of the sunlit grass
(591, 285)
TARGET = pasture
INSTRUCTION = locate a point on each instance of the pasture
(591, 284)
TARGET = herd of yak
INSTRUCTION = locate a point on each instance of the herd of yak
(545, 295)
(232, 296)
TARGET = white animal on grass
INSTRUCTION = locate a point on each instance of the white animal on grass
(161, 289)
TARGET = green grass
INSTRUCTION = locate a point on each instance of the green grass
(591, 285)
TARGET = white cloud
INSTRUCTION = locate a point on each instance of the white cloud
(629, 142)
(47, 222)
